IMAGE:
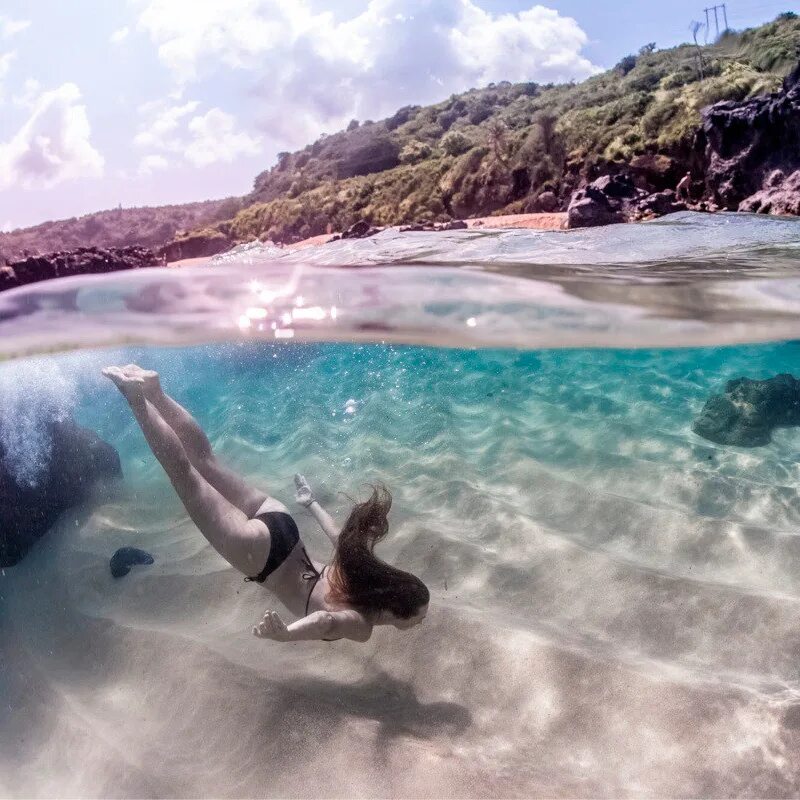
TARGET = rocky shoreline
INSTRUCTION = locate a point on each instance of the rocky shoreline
(81, 261)
(745, 157)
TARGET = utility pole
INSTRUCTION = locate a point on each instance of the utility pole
(716, 9)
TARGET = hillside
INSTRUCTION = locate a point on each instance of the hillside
(506, 148)
(498, 149)
(148, 227)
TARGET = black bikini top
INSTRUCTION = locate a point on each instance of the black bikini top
(310, 574)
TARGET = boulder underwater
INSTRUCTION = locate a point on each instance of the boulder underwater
(78, 460)
(127, 557)
(749, 410)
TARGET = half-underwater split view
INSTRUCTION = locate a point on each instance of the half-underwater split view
(455, 455)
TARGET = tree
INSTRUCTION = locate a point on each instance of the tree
(626, 64)
(497, 136)
(645, 50)
(695, 27)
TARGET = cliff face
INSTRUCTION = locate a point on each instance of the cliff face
(751, 151)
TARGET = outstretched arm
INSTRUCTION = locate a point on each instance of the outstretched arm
(316, 626)
(305, 497)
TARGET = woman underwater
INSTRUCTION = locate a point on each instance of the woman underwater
(256, 535)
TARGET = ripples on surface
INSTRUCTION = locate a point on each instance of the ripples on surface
(688, 279)
(615, 600)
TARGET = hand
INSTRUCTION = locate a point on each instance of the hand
(302, 493)
(272, 627)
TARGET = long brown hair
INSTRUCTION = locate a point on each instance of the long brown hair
(359, 578)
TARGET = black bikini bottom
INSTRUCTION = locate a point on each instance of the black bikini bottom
(283, 536)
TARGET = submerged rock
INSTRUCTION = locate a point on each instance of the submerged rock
(127, 557)
(78, 460)
(746, 414)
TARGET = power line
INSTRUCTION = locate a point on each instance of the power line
(716, 9)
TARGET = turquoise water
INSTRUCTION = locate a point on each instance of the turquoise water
(614, 599)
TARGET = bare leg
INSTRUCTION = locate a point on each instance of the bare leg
(196, 444)
(243, 542)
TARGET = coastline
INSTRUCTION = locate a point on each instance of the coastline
(555, 221)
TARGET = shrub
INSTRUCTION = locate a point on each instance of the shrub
(454, 143)
(414, 152)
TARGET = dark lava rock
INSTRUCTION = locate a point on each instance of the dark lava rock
(656, 171)
(547, 202)
(454, 225)
(599, 203)
(127, 557)
(616, 187)
(752, 148)
(81, 261)
(360, 230)
(616, 198)
(78, 460)
(655, 205)
(196, 245)
(779, 195)
(746, 414)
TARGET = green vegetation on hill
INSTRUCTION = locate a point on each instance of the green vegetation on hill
(491, 150)
(497, 149)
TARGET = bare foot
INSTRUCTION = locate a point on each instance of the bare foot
(149, 378)
(129, 385)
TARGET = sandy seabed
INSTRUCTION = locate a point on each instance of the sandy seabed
(614, 603)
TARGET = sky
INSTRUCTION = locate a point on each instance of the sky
(148, 102)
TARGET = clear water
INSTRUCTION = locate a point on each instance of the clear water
(614, 599)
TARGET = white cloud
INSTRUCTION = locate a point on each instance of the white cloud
(200, 139)
(31, 90)
(151, 164)
(5, 63)
(119, 35)
(214, 138)
(10, 27)
(161, 124)
(5, 66)
(315, 72)
(53, 145)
